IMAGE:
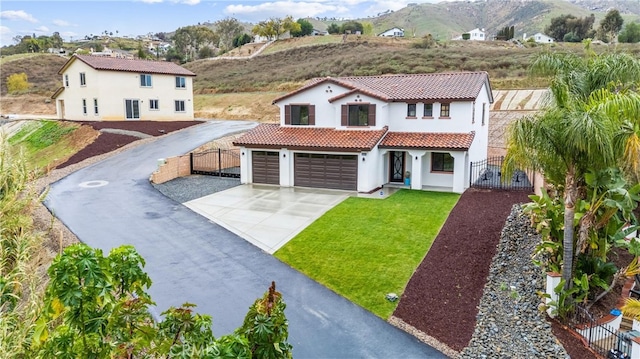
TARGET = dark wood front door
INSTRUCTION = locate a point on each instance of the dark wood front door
(396, 166)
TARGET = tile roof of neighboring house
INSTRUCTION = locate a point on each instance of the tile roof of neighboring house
(400, 88)
(276, 136)
(127, 65)
(421, 140)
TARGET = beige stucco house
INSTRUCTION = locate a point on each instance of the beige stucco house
(96, 88)
(362, 133)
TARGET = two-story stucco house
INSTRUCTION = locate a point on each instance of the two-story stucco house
(96, 88)
(360, 133)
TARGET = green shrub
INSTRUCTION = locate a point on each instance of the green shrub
(17, 83)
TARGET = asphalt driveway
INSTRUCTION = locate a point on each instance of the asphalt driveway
(191, 259)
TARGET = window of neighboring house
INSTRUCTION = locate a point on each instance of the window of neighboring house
(181, 82)
(145, 80)
(484, 108)
(299, 114)
(179, 105)
(83, 79)
(66, 80)
(444, 109)
(153, 105)
(358, 115)
(411, 110)
(84, 106)
(95, 106)
(441, 162)
(428, 110)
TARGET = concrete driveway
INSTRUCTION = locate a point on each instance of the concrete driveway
(191, 259)
(266, 216)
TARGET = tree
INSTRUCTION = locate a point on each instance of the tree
(56, 40)
(274, 27)
(611, 25)
(189, 39)
(306, 28)
(142, 54)
(351, 27)
(241, 40)
(17, 83)
(228, 29)
(206, 52)
(367, 28)
(582, 130)
(333, 28)
(581, 28)
(506, 33)
(630, 33)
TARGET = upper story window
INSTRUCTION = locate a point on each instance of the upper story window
(473, 113)
(441, 162)
(359, 115)
(303, 114)
(83, 79)
(445, 109)
(428, 110)
(153, 105)
(95, 106)
(181, 82)
(66, 80)
(145, 80)
(179, 105)
(411, 110)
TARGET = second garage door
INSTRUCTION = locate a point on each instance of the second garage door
(266, 167)
(326, 171)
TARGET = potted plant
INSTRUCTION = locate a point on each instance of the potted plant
(407, 178)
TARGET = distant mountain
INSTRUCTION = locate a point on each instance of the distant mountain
(448, 19)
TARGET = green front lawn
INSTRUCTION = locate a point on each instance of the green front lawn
(365, 248)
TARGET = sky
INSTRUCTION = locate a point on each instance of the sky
(76, 19)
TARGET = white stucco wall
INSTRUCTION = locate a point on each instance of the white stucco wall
(112, 88)
(319, 96)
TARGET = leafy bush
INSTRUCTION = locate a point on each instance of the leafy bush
(17, 83)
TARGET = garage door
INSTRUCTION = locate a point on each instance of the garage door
(326, 171)
(266, 167)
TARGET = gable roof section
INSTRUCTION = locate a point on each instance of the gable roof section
(127, 65)
(428, 140)
(400, 88)
(310, 138)
(57, 93)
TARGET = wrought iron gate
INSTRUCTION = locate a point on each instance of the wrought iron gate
(216, 162)
(488, 174)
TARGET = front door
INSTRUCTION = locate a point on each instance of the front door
(396, 166)
(132, 109)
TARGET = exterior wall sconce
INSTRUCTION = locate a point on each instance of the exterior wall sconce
(416, 158)
(243, 153)
(363, 158)
(284, 155)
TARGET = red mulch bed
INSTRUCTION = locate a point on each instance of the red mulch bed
(107, 142)
(442, 296)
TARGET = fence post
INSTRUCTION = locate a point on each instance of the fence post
(470, 173)
(191, 162)
(219, 162)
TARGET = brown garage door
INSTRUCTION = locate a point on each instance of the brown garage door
(326, 171)
(266, 167)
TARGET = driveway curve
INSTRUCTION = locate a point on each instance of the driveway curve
(191, 259)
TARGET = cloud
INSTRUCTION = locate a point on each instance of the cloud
(151, 1)
(17, 15)
(186, 2)
(42, 29)
(62, 23)
(384, 5)
(265, 10)
(6, 37)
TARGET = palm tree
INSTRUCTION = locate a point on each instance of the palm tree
(580, 129)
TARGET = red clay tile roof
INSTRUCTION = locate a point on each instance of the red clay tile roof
(331, 139)
(401, 88)
(127, 65)
(430, 140)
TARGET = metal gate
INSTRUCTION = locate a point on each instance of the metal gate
(216, 162)
(488, 174)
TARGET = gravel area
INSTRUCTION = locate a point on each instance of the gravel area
(509, 324)
(185, 189)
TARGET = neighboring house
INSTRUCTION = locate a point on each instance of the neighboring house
(316, 32)
(542, 38)
(393, 32)
(96, 88)
(360, 133)
(475, 34)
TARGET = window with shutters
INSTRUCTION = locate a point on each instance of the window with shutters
(299, 114)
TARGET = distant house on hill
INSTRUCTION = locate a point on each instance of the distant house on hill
(100, 88)
(539, 38)
(316, 32)
(393, 32)
(475, 35)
